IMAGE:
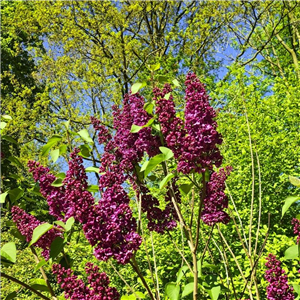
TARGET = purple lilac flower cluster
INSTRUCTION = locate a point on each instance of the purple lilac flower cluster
(110, 227)
(296, 224)
(278, 287)
(121, 155)
(75, 289)
(159, 220)
(171, 126)
(71, 199)
(199, 149)
(216, 200)
(26, 224)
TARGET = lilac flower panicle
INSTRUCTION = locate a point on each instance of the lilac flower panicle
(103, 134)
(110, 227)
(278, 287)
(296, 224)
(76, 289)
(216, 200)
(26, 224)
(159, 220)
(172, 127)
(71, 199)
(199, 148)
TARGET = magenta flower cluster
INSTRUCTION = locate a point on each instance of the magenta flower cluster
(71, 199)
(216, 200)
(159, 220)
(278, 287)
(110, 227)
(107, 225)
(296, 228)
(75, 288)
(200, 150)
(121, 155)
(26, 224)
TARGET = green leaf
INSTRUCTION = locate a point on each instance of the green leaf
(165, 181)
(85, 135)
(84, 151)
(163, 79)
(214, 293)
(61, 175)
(2, 125)
(135, 128)
(69, 224)
(185, 188)
(296, 288)
(9, 139)
(39, 231)
(176, 82)
(9, 252)
(92, 169)
(2, 197)
(15, 161)
(128, 297)
(16, 233)
(152, 163)
(294, 181)
(56, 247)
(39, 284)
(5, 259)
(288, 202)
(93, 188)
(188, 289)
(66, 123)
(15, 194)
(168, 153)
(172, 291)
(137, 86)
(291, 252)
(182, 272)
(11, 296)
(148, 107)
(60, 223)
(51, 142)
(167, 96)
(6, 117)
(57, 182)
(63, 149)
(154, 67)
(40, 264)
(54, 155)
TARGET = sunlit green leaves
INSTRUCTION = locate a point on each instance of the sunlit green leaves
(288, 202)
(39, 231)
(8, 252)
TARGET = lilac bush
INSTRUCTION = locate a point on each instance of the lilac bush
(109, 225)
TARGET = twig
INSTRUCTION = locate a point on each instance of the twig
(155, 268)
(24, 285)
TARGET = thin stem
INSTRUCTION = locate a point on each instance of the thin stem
(203, 195)
(253, 183)
(258, 257)
(232, 254)
(24, 285)
(227, 269)
(259, 203)
(122, 278)
(238, 215)
(155, 268)
(136, 268)
(42, 271)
